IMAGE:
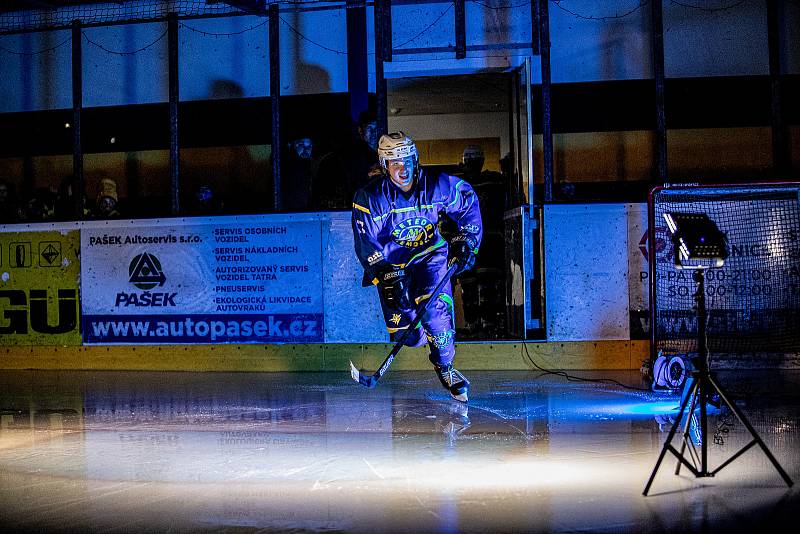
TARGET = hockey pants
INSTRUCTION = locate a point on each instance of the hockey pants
(438, 324)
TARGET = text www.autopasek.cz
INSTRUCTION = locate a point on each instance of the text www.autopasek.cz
(212, 329)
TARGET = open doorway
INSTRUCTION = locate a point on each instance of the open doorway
(452, 119)
(446, 113)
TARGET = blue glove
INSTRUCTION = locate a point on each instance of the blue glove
(394, 287)
(462, 251)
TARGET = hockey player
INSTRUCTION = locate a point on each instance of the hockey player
(399, 245)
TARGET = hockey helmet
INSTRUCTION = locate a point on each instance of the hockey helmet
(396, 145)
(471, 152)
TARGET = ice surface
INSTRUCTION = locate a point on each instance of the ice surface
(530, 452)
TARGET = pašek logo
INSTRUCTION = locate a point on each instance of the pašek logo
(145, 272)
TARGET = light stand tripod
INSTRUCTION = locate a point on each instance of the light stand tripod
(703, 384)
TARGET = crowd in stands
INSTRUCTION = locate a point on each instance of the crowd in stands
(314, 177)
(56, 204)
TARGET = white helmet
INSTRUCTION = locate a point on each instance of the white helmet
(396, 145)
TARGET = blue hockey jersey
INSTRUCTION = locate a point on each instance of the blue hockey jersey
(393, 229)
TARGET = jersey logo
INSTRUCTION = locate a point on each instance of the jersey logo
(413, 232)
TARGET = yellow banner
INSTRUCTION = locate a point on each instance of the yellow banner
(39, 302)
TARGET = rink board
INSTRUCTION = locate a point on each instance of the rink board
(39, 288)
(350, 318)
(274, 278)
(326, 357)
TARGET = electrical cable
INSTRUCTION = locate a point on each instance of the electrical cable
(68, 39)
(573, 378)
(205, 33)
(142, 49)
(296, 32)
(431, 25)
(708, 9)
(557, 3)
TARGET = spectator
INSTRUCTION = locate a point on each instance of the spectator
(206, 202)
(65, 200)
(349, 167)
(299, 170)
(107, 200)
(363, 160)
(483, 291)
(368, 130)
(9, 211)
(40, 206)
(490, 186)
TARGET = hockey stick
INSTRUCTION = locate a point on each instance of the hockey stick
(371, 381)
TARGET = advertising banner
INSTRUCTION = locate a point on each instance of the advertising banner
(255, 280)
(39, 288)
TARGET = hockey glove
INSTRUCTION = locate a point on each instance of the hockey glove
(394, 286)
(462, 251)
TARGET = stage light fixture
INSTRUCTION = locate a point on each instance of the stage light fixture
(699, 243)
(700, 246)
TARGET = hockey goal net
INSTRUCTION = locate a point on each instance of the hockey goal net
(753, 300)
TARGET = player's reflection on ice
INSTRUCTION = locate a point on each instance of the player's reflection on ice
(407, 402)
(444, 415)
(252, 409)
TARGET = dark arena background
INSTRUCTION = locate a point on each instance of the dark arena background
(184, 333)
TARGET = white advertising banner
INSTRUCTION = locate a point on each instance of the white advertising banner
(253, 280)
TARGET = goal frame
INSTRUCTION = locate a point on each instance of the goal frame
(651, 236)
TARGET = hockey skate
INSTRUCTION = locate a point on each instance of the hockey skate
(453, 381)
